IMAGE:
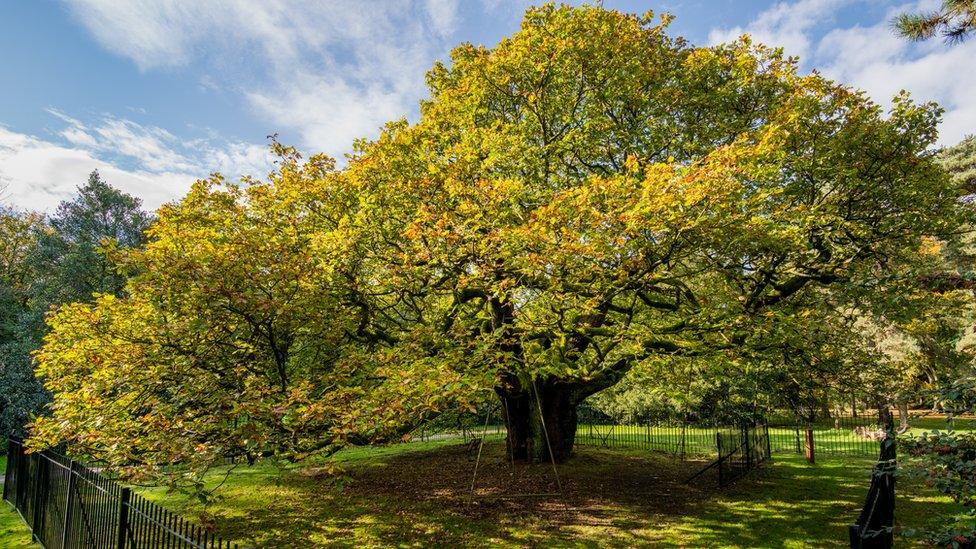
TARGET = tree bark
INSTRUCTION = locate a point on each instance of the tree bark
(540, 417)
(903, 423)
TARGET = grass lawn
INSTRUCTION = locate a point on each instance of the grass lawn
(417, 495)
(13, 531)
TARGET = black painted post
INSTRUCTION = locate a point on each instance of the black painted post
(124, 499)
(718, 444)
(22, 467)
(854, 536)
(67, 505)
(745, 442)
(39, 495)
(10, 462)
(769, 444)
(684, 436)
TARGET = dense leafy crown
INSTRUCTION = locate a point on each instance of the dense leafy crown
(589, 196)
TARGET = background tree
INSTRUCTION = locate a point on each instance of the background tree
(960, 161)
(18, 239)
(54, 261)
(955, 20)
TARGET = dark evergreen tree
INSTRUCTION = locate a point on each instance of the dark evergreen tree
(955, 20)
(60, 260)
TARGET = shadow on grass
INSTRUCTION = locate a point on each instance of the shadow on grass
(419, 496)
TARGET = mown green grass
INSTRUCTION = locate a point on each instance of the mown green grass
(13, 531)
(416, 495)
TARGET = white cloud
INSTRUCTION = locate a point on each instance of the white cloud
(38, 174)
(238, 159)
(150, 146)
(443, 15)
(331, 71)
(148, 162)
(155, 149)
(328, 71)
(871, 57)
(329, 114)
(784, 24)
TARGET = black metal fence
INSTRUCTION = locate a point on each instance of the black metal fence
(741, 450)
(671, 436)
(69, 505)
(834, 435)
(874, 528)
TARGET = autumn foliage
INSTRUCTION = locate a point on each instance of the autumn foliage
(588, 197)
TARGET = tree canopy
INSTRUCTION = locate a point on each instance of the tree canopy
(47, 261)
(590, 196)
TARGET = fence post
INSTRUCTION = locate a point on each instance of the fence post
(684, 435)
(67, 505)
(40, 492)
(718, 445)
(6, 473)
(745, 442)
(809, 446)
(769, 444)
(124, 497)
(22, 467)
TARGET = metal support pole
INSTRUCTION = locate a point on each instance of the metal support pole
(718, 445)
(745, 442)
(10, 465)
(23, 465)
(39, 493)
(67, 505)
(124, 498)
(769, 444)
(809, 446)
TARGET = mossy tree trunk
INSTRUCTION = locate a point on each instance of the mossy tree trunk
(542, 417)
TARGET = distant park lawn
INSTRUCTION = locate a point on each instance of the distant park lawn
(418, 495)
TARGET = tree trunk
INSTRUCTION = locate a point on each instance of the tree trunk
(531, 434)
(903, 424)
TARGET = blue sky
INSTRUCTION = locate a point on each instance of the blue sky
(155, 94)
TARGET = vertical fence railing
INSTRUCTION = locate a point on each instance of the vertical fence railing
(68, 505)
(874, 528)
(836, 435)
(740, 450)
(832, 434)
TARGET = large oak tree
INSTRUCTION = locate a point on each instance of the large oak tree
(589, 196)
(592, 193)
